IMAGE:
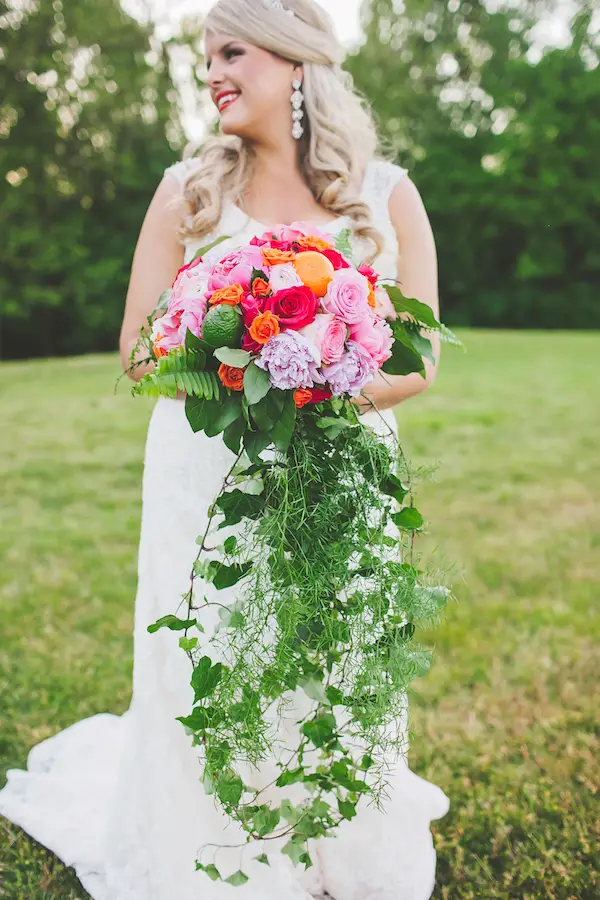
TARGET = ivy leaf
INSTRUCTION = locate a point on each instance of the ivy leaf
(237, 505)
(290, 813)
(230, 545)
(347, 809)
(256, 383)
(238, 358)
(295, 776)
(205, 678)
(173, 623)
(188, 644)
(226, 576)
(237, 879)
(210, 870)
(266, 821)
(200, 718)
(263, 858)
(335, 696)
(393, 487)
(320, 730)
(230, 788)
(295, 849)
(313, 689)
(409, 518)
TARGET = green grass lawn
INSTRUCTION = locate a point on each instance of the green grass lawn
(507, 721)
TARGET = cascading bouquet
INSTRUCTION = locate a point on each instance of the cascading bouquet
(270, 343)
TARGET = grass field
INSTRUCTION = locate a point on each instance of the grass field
(507, 721)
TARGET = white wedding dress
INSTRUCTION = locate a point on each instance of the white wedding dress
(119, 798)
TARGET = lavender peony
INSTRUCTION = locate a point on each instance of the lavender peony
(291, 362)
(354, 370)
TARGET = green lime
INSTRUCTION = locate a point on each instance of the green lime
(222, 326)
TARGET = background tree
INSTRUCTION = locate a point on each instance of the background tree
(500, 134)
(88, 121)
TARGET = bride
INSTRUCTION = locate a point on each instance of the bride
(119, 797)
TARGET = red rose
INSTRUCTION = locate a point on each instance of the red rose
(295, 307)
(369, 273)
(336, 259)
(250, 344)
(271, 243)
(318, 395)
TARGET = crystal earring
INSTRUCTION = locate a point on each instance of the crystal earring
(297, 111)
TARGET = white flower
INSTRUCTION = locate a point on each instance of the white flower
(284, 276)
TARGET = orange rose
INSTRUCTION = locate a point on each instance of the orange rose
(260, 288)
(264, 327)
(314, 243)
(276, 257)
(302, 397)
(231, 377)
(315, 270)
(159, 351)
(372, 301)
(231, 295)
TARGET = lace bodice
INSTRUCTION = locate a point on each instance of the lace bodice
(380, 179)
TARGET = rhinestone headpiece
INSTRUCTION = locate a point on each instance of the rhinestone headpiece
(278, 5)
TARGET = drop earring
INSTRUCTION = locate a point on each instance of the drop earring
(297, 111)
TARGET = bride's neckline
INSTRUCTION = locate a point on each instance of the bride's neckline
(321, 226)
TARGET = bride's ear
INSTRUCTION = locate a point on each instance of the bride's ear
(298, 73)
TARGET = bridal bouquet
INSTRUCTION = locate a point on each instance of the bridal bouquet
(270, 343)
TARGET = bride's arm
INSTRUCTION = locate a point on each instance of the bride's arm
(157, 258)
(418, 277)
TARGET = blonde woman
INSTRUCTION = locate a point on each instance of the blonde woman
(120, 798)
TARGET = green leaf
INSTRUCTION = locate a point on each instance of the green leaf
(392, 486)
(238, 358)
(342, 242)
(347, 809)
(226, 414)
(232, 435)
(173, 623)
(295, 849)
(237, 879)
(230, 788)
(409, 519)
(404, 359)
(199, 719)
(422, 345)
(313, 689)
(254, 443)
(205, 678)
(195, 343)
(204, 250)
(210, 870)
(320, 730)
(282, 431)
(263, 858)
(419, 311)
(292, 814)
(256, 383)
(335, 696)
(295, 776)
(266, 412)
(237, 505)
(230, 545)
(188, 644)
(226, 576)
(200, 412)
(164, 299)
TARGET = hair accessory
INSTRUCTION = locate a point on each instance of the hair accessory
(297, 99)
(277, 4)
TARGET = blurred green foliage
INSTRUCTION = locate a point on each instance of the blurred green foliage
(86, 102)
(499, 132)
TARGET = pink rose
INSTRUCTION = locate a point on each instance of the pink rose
(384, 306)
(235, 268)
(284, 276)
(375, 336)
(328, 335)
(336, 259)
(347, 296)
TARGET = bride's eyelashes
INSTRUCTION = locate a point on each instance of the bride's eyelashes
(228, 53)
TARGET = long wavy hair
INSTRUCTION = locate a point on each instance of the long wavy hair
(340, 137)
